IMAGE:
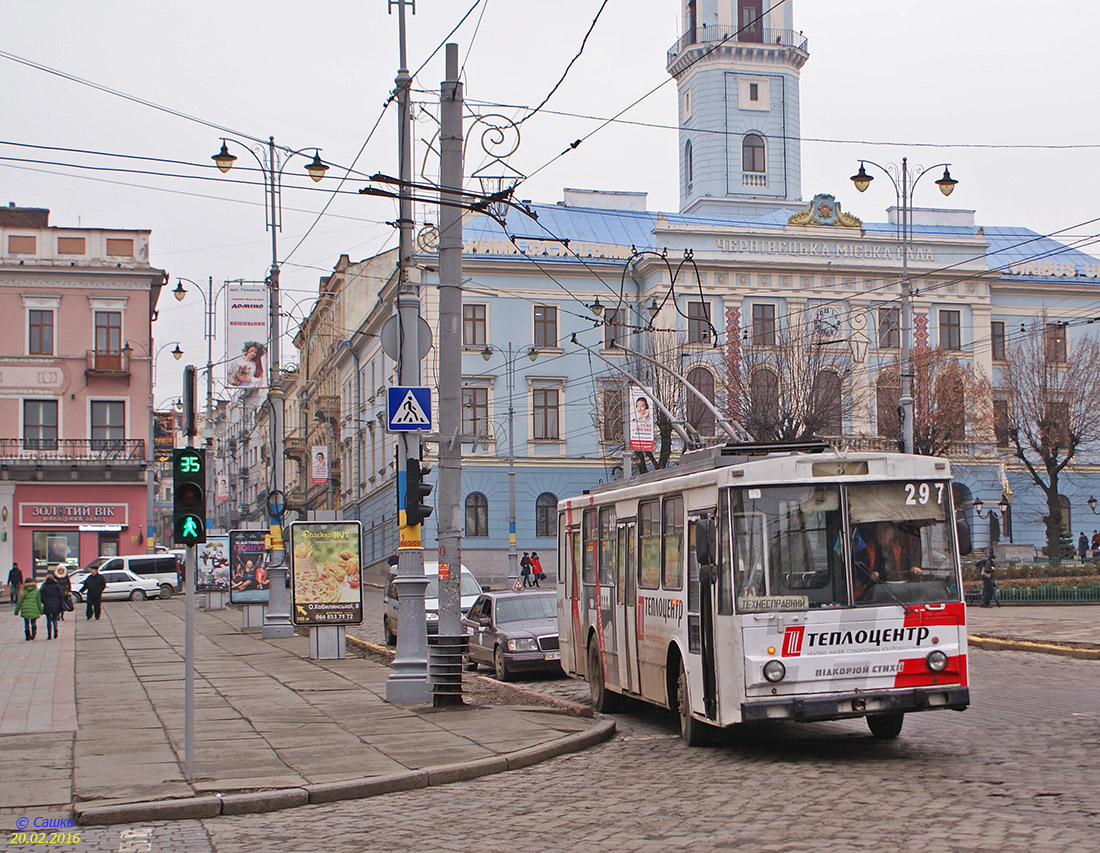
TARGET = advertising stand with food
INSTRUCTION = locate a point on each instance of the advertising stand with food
(325, 571)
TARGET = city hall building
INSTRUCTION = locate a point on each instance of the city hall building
(565, 304)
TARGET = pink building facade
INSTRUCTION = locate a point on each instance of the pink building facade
(76, 307)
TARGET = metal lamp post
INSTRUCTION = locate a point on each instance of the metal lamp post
(209, 303)
(272, 161)
(510, 366)
(904, 182)
(150, 451)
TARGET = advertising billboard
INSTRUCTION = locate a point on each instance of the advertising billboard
(319, 459)
(641, 419)
(246, 336)
(325, 571)
(213, 565)
(248, 560)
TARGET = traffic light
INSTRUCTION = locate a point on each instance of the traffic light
(188, 496)
(416, 492)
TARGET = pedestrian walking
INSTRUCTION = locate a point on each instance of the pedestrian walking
(29, 606)
(15, 580)
(536, 569)
(989, 589)
(66, 585)
(92, 588)
(1082, 546)
(52, 599)
(1095, 544)
(525, 568)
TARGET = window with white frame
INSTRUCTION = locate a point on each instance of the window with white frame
(40, 424)
(108, 424)
(546, 401)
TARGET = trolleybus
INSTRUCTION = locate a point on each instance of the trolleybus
(756, 583)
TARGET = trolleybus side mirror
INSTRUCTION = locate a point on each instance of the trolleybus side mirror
(962, 535)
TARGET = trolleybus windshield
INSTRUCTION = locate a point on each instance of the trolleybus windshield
(827, 545)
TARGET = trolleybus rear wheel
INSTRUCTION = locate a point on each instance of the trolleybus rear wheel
(885, 726)
(603, 700)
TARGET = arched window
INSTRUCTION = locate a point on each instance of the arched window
(477, 514)
(951, 407)
(546, 514)
(698, 415)
(689, 166)
(752, 153)
(826, 402)
(764, 399)
(887, 402)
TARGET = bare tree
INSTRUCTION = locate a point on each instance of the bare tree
(1053, 393)
(792, 385)
(952, 402)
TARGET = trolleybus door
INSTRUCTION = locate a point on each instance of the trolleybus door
(701, 564)
(626, 610)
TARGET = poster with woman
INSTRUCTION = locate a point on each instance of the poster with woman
(641, 420)
(248, 560)
(212, 574)
(247, 369)
(246, 336)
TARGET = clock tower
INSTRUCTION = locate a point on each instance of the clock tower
(737, 73)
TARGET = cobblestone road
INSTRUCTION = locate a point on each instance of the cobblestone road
(1016, 772)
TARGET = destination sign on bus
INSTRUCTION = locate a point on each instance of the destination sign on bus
(752, 603)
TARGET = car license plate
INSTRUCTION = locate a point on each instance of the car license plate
(551, 655)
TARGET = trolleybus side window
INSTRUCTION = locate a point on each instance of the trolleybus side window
(608, 568)
(725, 557)
(649, 544)
(790, 548)
(590, 546)
(563, 553)
(672, 569)
(625, 562)
(575, 566)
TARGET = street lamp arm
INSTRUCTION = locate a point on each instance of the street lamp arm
(733, 429)
(689, 442)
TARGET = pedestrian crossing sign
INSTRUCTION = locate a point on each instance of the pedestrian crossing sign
(408, 408)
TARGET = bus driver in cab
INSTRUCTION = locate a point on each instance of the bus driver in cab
(880, 556)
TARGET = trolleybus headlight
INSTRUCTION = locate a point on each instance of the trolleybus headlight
(937, 661)
(774, 671)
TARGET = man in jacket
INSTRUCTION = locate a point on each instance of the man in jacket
(15, 580)
(92, 588)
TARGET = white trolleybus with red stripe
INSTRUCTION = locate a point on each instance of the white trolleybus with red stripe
(762, 582)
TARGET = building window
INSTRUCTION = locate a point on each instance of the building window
(764, 397)
(754, 91)
(951, 330)
(887, 404)
(752, 153)
(546, 514)
(1001, 423)
(40, 424)
(546, 326)
(1055, 334)
(108, 424)
(40, 332)
(763, 325)
(475, 410)
(826, 402)
(611, 414)
(997, 339)
(545, 408)
(689, 166)
(70, 245)
(117, 247)
(474, 325)
(613, 328)
(22, 245)
(699, 328)
(108, 332)
(889, 328)
(477, 514)
(698, 415)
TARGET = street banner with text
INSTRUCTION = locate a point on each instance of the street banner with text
(325, 570)
(246, 336)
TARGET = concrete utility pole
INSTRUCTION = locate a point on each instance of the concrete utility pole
(449, 484)
(408, 683)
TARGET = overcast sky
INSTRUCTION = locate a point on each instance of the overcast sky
(984, 84)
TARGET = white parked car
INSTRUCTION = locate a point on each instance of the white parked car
(121, 584)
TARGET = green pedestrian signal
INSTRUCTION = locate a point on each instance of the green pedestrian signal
(188, 496)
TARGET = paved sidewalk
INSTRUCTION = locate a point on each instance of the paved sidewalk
(1067, 628)
(272, 728)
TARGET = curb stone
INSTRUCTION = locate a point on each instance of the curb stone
(1081, 652)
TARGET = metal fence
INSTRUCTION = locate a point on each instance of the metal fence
(1046, 594)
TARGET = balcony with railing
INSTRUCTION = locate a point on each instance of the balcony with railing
(69, 450)
(107, 363)
(713, 36)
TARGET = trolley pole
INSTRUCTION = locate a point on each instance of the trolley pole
(450, 350)
(408, 683)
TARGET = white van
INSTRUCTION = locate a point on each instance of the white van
(469, 590)
(163, 568)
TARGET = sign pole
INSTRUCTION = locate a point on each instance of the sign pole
(191, 566)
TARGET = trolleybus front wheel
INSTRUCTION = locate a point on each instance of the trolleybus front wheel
(885, 726)
(693, 732)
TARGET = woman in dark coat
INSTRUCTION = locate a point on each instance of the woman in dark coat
(63, 581)
(51, 596)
